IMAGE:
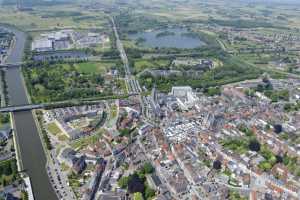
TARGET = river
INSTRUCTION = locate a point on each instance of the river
(31, 149)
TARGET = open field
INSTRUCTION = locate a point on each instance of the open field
(94, 67)
(85, 141)
(52, 17)
(129, 44)
(142, 64)
(53, 128)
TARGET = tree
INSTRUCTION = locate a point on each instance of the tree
(149, 192)
(217, 165)
(211, 91)
(123, 182)
(135, 184)
(124, 132)
(4, 182)
(250, 92)
(268, 85)
(260, 88)
(13, 166)
(24, 195)
(148, 168)
(265, 165)
(138, 196)
(277, 128)
(267, 127)
(254, 145)
(286, 159)
(279, 159)
(7, 169)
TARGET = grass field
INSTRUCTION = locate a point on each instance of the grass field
(62, 138)
(53, 128)
(52, 17)
(113, 111)
(94, 67)
(103, 48)
(56, 131)
(113, 116)
(85, 141)
(129, 44)
(141, 64)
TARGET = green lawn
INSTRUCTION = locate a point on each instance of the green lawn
(85, 141)
(113, 116)
(129, 44)
(141, 64)
(103, 48)
(113, 111)
(94, 67)
(53, 128)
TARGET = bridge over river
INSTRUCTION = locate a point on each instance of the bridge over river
(21, 108)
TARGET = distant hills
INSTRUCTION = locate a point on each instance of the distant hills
(273, 1)
(35, 2)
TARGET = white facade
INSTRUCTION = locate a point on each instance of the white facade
(181, 91)
(42, 45)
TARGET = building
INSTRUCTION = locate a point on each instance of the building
(184, 96)
(96, 178)
(5, 133)
(154, 181)
(281, 171)
(41, 45)
(52, 41)
(181, 91)
(178, 184)
(117, 195)
(67, 156)
(145, 129)
(79, 164)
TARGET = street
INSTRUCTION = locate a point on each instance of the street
(132, 84)
(58, 179)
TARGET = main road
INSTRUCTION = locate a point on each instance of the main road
(27, 136)
(133, 85)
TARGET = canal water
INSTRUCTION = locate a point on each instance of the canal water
(31, 149)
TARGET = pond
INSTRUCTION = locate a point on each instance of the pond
(179, 38)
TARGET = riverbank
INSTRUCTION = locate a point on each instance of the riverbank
(25, 177)
(28, 140)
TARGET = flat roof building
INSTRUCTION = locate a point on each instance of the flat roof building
(43, 44)
(181, 91)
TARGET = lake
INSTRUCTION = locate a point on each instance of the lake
(167, 38)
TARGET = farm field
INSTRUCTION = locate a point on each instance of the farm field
(48, 18)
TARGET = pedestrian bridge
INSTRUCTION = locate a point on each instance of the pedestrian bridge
(20, 108)
(10, 65)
